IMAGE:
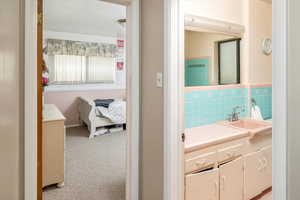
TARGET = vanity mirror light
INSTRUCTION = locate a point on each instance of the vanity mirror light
(212, 52)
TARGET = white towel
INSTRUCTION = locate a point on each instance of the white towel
(256, 113)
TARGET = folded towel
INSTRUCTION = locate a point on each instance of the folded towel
(256, 113)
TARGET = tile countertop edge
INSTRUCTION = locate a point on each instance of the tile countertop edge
(241, 134)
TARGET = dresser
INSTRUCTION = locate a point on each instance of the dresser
(53, 146)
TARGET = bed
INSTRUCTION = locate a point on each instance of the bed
(91, 116)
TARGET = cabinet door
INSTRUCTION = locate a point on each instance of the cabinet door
(232, 180)
(202, 185)
(267, 166)
(253, 169)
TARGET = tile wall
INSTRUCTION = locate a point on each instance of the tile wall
(263, 98)
(208, 106)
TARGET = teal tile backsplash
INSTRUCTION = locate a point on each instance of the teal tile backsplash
(263, 98)
(209, 106)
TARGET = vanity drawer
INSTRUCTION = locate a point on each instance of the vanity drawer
(229, 153)
(200, 162)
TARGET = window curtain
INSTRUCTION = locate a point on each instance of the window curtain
(76, 48)
(105, 73)
(68, 69)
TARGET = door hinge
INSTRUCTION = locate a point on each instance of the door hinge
(40, 18)
(183, 137)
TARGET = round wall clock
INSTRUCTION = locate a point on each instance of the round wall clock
(267, 46)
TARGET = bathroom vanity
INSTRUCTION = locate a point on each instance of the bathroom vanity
(228, 161)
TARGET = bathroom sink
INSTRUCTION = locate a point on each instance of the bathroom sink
(248, 124)
(255, 127)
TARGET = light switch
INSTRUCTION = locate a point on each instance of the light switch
(159, 79)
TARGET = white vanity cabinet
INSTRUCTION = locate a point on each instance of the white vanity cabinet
(258, 172)
(203, 185)
(231, 176)
(237, 169)
(267, 155)
(253, 173)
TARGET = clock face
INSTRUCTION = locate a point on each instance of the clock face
(267, 46)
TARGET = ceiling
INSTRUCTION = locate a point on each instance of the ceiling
(92, 17)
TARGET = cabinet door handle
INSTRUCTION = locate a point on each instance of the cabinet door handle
(261, 165)
(216, 188)
(223, 179)
(265, 163)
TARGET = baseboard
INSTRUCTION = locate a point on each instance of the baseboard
(73, 125)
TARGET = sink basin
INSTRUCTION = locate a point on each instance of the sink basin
(254, 127)
(248, 124)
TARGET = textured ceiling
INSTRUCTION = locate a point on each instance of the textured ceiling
(91, 17)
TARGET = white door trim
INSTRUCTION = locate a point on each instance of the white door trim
(30, 104)
(172, 86)
(280, 62)
(173, 158)
(133, 94)
(30, 157)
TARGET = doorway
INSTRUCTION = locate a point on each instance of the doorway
(34, 188)
(277, 138)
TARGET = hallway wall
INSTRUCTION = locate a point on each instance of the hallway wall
(11, 101)
(152, 130)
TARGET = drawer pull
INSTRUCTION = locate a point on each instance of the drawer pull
(230, 154)
(201, 163)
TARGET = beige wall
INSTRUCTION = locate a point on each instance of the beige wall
(260, 70)
(11, 101)
(202, 44)
(152, 139)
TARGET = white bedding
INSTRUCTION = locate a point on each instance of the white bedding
(116, 111)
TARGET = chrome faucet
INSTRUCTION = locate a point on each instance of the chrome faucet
(235, 115)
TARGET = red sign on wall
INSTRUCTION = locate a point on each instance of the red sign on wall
(120, 66)
(120, 43)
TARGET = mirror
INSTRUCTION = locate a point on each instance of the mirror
(211, 59)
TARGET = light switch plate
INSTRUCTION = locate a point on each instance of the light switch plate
(159, 79)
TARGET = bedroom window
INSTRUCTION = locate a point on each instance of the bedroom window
(71, 69)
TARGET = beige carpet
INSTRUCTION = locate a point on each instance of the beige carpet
(95, 169)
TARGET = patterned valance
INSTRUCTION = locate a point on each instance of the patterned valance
(68, 47)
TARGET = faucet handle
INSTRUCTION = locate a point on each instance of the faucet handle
(243, 108)
(230, 117)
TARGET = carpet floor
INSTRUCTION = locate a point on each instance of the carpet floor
(95, 169)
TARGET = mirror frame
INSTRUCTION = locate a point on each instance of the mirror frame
(238, 60)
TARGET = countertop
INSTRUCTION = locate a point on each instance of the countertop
(52, 113)
(213, 134)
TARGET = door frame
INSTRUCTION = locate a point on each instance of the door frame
(173, 99)
(173, 114)
(31, 100)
